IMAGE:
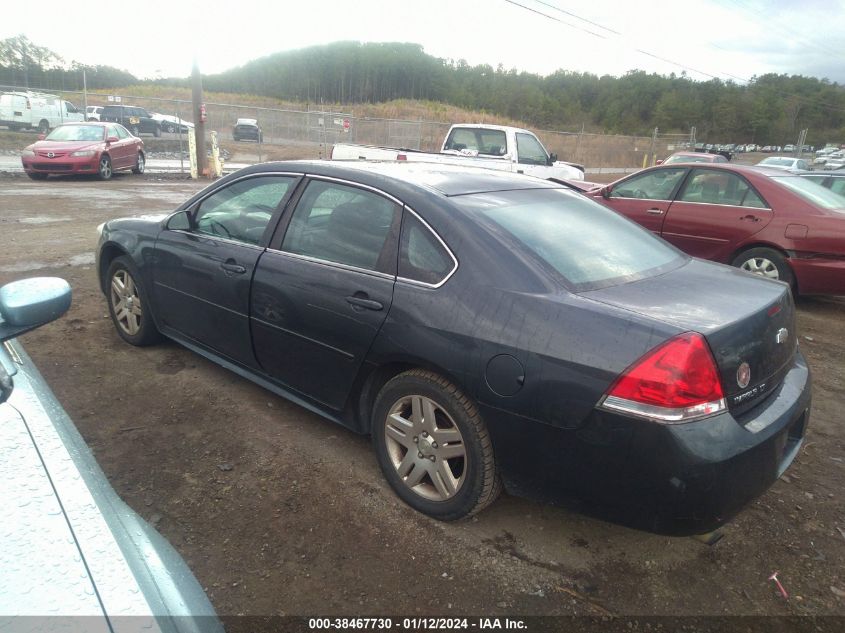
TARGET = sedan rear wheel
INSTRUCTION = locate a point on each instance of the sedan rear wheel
(765, 262)
(104, 171)
(433, 446)
(128, 305)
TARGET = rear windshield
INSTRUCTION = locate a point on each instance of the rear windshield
(778, 162)
(812, 192)
(589, 245)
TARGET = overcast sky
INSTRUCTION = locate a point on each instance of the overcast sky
(730, 39)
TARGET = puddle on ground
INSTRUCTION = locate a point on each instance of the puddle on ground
(42, 219)
(83, 259)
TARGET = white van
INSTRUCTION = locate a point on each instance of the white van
(27, 110)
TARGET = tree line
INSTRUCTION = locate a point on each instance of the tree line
(770, 109)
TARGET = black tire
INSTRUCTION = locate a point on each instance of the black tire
(169, 127)
(474, 481)
(766, 262)
(236, 138)
(129, 306)
(43, 126)
(104, 168)
(36, 176)
(140, 164)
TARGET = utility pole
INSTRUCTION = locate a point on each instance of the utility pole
(199, 120)
(84, 94)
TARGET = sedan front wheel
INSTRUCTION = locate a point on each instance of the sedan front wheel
(433, 447)
(128, 305)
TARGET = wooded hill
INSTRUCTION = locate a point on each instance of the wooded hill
(770, 109)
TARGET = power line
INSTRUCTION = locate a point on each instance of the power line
(649, 54)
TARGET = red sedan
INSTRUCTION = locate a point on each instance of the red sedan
(84, 148)
(765, 221)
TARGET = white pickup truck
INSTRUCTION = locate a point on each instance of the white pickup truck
(477, 145)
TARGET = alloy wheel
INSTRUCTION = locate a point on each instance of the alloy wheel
(126, 302)
(425, 447)
(105, 168)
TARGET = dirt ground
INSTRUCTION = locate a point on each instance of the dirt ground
(278, 511)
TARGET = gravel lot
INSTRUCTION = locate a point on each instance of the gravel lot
(280, 512)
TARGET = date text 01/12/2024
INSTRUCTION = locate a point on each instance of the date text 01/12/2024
(415, 624)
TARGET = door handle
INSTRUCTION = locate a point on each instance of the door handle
(363, 302)
(654, 211)
(752, 218)
(231, 267)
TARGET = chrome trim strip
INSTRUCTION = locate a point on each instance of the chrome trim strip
(443, 244)
(218, 239)
(330, 264)
(303, 337)
(234, 180)
(356, 185)
(13, 353)
(206, 301)
(732, 206)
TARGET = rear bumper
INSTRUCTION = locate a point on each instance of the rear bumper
(671, 479)
(819, 275)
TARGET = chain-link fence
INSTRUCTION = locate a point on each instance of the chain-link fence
(291, 134)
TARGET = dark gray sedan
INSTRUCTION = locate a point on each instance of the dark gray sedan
(485, 329)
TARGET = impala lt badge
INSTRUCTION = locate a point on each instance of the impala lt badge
(743, 375)
(782, 335)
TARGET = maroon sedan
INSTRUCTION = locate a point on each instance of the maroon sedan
(765, 221)
(84, 148)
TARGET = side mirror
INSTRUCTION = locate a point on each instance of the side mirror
(31, 303)
(552, 158)
(112, 139)
(41, 137)
(605, 192)
(659, 161)
(26, 305)
(180, 221)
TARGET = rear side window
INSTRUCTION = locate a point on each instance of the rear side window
(589, 245)
(422, 256)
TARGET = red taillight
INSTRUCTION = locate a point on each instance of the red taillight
(675, 382)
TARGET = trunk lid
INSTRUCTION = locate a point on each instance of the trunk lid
(748, 321)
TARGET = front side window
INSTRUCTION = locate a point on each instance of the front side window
(345, 225)
(530, 151)
(588, 244)
(719, 187)
(653, 185)
(121, 131)
(242, 210)
(422, 257)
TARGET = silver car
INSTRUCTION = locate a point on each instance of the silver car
(69, 547)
